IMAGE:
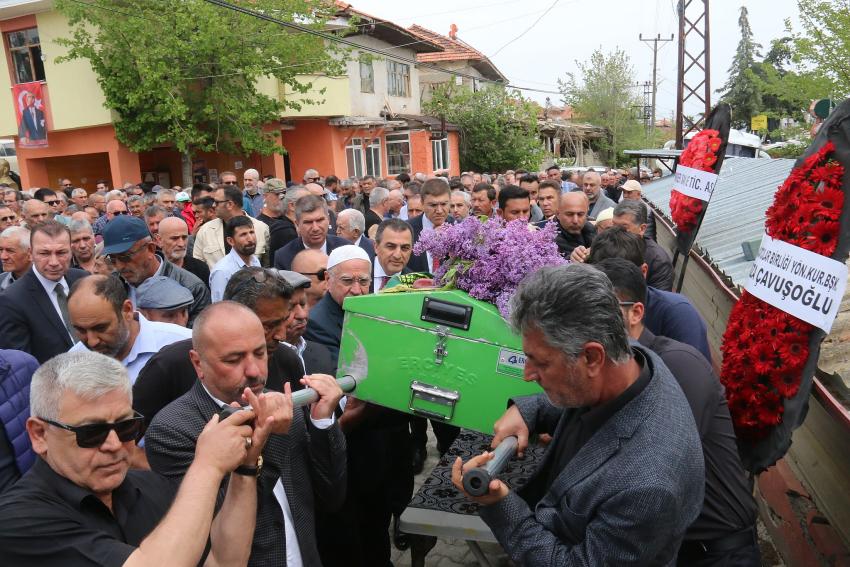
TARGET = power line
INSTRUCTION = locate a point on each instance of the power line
(333, 38)
(303, 29)
(528, 29)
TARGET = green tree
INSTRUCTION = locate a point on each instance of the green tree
(498, 128)
(825, 42)
(187, 73)
(786, 90)
(603, 95)
(741, 90)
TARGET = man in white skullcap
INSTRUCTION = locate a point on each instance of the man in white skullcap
(349, 273)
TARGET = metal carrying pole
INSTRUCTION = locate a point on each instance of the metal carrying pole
(308, 395)
(477, 481)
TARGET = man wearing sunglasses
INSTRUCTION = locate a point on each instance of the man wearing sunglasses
(129, 246)
(80, 504)
(8, 217)
(314, 265)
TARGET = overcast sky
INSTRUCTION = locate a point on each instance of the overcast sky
(574, 28)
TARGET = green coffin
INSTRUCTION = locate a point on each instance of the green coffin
(436, 354)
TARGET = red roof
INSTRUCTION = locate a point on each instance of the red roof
(454, 50)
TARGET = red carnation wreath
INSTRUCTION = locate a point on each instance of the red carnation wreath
(700, 154)
(764, 348)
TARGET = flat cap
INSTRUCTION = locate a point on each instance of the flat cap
(294, 279)
(160, 292)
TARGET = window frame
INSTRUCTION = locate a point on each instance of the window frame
(32, 51)
(441, 157)
(398, 79)
(366, 63)
(399, 139)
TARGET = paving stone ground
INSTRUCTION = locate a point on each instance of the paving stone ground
(456, 553)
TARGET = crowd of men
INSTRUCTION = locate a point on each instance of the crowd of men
(131, 319)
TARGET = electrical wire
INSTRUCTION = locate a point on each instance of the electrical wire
(332, 38)
(534, 23)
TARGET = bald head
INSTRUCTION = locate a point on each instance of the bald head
(572, 211)
(172, 224)
(315, 189)
(309, 262)
(218, 317)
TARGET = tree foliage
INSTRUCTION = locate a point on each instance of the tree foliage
(187, 73)
(741, 90)
(824, 43)
(603, 95)
(498, 128)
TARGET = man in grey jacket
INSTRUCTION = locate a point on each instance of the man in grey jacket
(623, 476)
(128, 244)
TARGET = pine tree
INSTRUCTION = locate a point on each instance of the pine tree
(741, 90)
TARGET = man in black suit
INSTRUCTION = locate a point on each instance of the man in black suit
(436, 199)
(394, 245)
(312, 221)
(35, 308)
(304, 458)
(33, 125)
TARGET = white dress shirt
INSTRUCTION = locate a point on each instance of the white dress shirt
(293, 550)
(427, 224)
(224, 270)
(50, 289)
(152, 337)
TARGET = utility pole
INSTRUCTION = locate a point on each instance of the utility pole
(654, 41)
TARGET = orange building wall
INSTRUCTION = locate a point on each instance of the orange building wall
(70, 153)
(318, 145)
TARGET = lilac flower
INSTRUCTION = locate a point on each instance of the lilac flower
(488, 259)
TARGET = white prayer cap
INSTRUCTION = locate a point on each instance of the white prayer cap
(346, 253)
(607, 214)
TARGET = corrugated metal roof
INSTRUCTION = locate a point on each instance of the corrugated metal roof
(736, 213)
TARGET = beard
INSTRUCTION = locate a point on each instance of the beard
(248, 249)
(112, 349)
(177, 255)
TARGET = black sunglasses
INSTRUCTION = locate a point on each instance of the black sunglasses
(121, 213)
(93, 435)
(320, 275)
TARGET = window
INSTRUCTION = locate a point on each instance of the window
(398, 79)
(398, 153)
(373, 158)
(363, 159)
(25, 51)
(354, 157)
(440, 149)
(367, 75)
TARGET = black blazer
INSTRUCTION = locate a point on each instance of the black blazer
(310, 463)
(28, 320)
(420, 263)
(283, 257)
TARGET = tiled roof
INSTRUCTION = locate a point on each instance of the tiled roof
(454, 49)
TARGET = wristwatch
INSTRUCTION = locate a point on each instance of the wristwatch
(251, 471)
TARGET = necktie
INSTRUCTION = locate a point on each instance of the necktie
(63, 308)
(384, 281)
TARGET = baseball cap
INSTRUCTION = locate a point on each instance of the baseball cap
(631, 185)
(275, 185)
(161, 292)
(122, 232)
(182, 197)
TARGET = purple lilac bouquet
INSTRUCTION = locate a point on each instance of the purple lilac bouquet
(489, 258)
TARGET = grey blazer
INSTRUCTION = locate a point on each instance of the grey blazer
(627, 496)
(310, 462)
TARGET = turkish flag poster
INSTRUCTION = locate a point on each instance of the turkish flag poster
(30, 112)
